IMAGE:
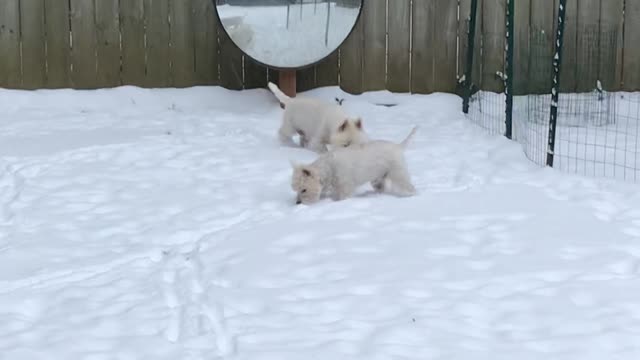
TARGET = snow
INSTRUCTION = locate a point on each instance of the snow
(263, 34)
(160, 224)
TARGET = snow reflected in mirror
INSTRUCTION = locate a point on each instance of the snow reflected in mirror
(288, 33)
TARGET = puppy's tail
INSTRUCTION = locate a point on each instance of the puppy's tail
(406, 141)
(282, 97)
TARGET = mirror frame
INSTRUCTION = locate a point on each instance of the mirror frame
(215, 7)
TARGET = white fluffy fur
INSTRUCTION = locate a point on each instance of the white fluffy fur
(339, 173)
(318, 123)
(239, 32)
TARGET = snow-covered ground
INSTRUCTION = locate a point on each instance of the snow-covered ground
(159, 224)
(281, 38)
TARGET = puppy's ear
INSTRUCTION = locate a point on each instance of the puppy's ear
(344, 125)
(359, 123)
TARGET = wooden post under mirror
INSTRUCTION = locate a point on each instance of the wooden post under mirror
(287, 83)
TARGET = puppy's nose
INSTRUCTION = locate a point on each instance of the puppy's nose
(298, 202)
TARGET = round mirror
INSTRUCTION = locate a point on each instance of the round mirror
(288, 34)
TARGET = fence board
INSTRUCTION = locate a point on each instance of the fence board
(522, 45)
(58, 45)
(33, 44)
(569, 76)
(10, 68)
(182, 45)
(399, 65)
(631, 49)
(136, 42)
(327, 71)
(351, 53)
(306, 79)
(374, 16)
(611, 41)
(231, 73)
(83, 53)
(493, 43)
(205, 27)
(446, 24)
(158, 37)
(108, 42)
(542, 48)
(133, 46)
(422, 55)
(273, 76)
(255, 75)
(586, 44)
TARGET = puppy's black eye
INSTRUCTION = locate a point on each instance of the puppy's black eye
(304, 191)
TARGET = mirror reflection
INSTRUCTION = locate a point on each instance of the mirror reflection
(288, 33)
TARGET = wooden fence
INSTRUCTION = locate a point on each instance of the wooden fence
(399, 45)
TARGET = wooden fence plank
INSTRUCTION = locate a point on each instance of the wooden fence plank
(493, 43)
(374, 16)
(398, 68)
(255, 75)
(33, 44)
(205, 27)
(231, 72)
(611, 43)
(158, 38)
(521, 46)
(542, 48)
(182, 44)
(36, 47)
(10, 67)
(569, 76)
(273, 76)
(631, 49)
(351, 54)
(327, 71)
(446, 24)
(306, 79)
(58, 44)
(422, 55)
(587, 45)
(83, 53)
(107, 33)
(133, 44)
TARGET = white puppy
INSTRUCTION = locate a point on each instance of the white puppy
(339, 173)
(239, 32)
(318, 123)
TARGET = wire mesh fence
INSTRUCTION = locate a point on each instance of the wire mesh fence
(487, 108)
(598, 135)
(597, 131)
(532, 98)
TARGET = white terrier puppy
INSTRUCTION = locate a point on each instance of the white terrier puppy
(318, 123)
(339, 173)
